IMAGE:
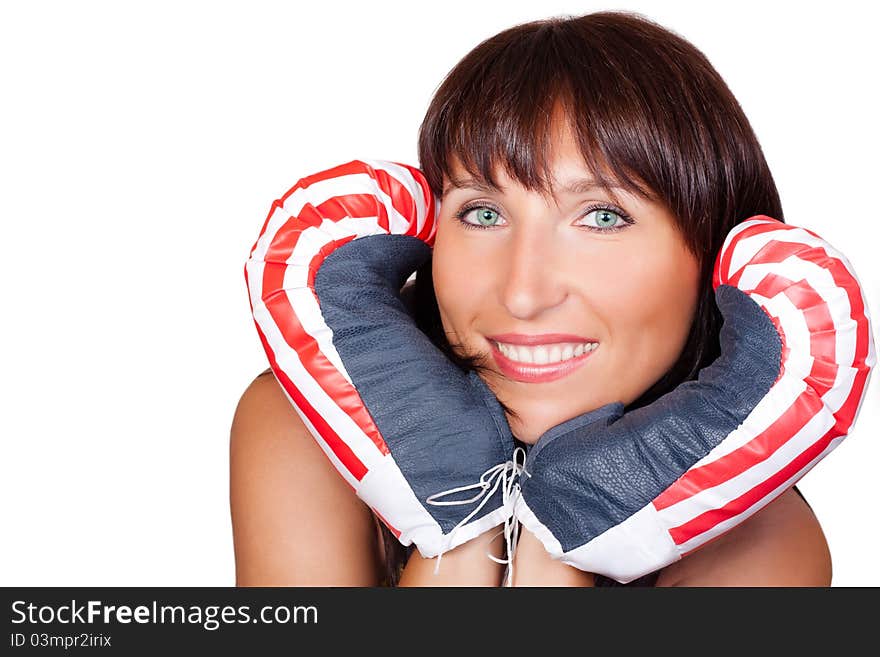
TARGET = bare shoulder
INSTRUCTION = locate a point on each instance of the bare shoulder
(781, 545)
(265, 413)
(295, 520)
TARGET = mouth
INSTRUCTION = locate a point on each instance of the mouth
(543, 363)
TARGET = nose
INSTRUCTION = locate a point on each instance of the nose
(533, 284)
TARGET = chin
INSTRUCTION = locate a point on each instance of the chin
(537, 416)
(528, 431)
(532, 426)
(527, 438)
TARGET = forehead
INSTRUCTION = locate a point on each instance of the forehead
(564, 160)
(568, 172)
(553, 163)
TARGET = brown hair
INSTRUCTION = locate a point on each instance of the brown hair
(650, 114)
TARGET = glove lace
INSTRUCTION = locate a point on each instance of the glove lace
(503, 475)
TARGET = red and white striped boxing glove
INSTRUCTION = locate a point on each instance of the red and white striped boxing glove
(624, 494)
(425, 445)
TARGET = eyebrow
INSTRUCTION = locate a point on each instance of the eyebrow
(576, 186)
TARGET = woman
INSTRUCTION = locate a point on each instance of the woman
(588, 170)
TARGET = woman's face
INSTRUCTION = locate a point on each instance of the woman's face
(574, 265)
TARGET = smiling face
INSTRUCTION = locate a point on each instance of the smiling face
(518, 264)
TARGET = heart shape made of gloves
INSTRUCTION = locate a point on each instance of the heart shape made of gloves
(428, 448)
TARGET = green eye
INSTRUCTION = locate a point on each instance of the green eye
(607, 219)
(486, 215)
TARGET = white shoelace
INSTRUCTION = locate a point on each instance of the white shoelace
(505, 475)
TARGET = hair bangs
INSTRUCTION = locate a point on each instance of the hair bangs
(497, 111)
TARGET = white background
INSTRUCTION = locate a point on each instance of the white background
(141, 145)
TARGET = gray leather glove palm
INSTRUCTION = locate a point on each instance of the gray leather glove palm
(624, 494)
(425, 445)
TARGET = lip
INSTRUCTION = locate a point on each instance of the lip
(531, 373)
(543, 338)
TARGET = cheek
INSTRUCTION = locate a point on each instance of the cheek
(456, 275)
(650, 308)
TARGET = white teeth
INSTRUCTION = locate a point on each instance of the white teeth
(541, 355)
(544, 354)
(523, 354)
